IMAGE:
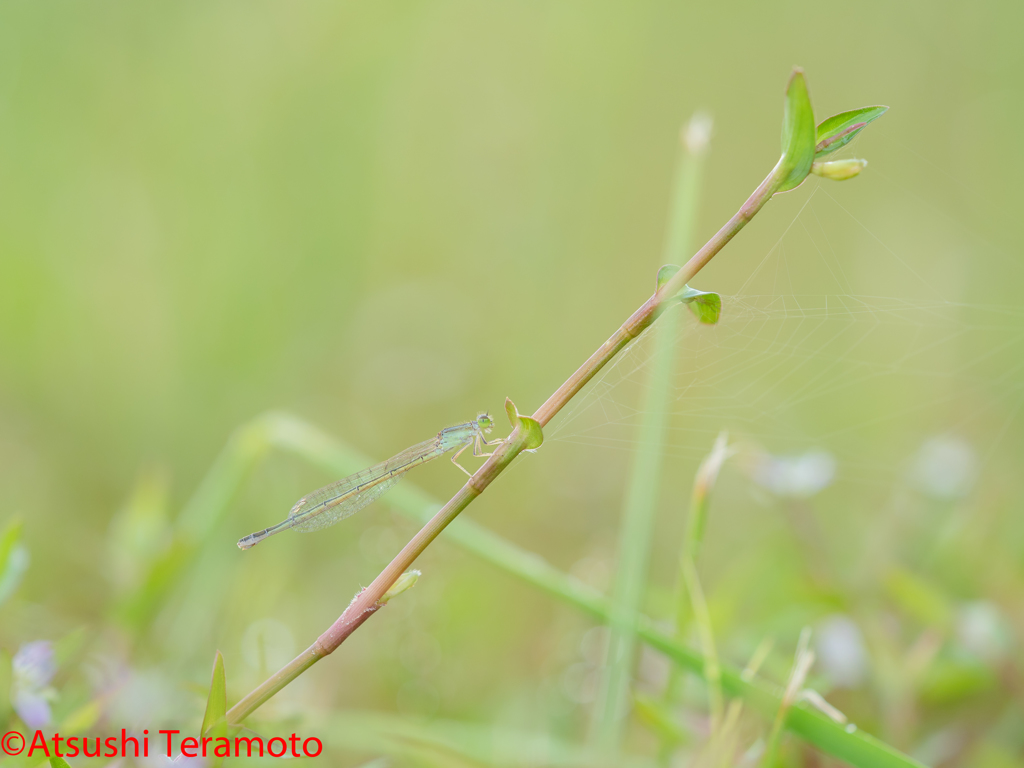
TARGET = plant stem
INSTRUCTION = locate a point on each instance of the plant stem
(287, 433)
(641, 319)
(801, 665)
(259, 696)
(363, 606)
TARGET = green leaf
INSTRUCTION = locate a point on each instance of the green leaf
(534, 433)
(838, 131)
(59, 762)
(14, 559)
(215, 724)
(512, 412)
(797, 134)
(705, 305)
(531, 430)
(665, 274)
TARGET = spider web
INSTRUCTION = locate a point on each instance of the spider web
(865, 377)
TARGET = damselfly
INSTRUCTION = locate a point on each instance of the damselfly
(343, 498)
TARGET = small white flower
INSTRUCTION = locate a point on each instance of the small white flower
(800, 476)
(982, 630)
(841, 652)
(946, 468)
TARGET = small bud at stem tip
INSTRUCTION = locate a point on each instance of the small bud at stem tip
(839, 170)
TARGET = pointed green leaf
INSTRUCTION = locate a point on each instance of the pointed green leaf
(14, 559)
(798, 134)
(531, 430)
(511, 412)
(214, 722)
(59, 762)
(838, 131)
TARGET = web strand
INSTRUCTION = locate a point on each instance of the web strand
(864, 376)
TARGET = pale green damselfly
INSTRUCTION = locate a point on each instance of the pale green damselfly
(345, 497)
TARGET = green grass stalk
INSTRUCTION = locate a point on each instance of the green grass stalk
(690, 601)
(645, 473)
(728, 735)
(700, 499)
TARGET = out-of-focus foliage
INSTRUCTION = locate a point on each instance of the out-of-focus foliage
(14, 558)
(209, 211)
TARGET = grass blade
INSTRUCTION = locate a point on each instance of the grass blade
(645, 473)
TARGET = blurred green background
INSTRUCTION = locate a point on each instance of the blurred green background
(383, 218)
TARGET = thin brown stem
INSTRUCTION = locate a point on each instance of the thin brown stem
(640, 320)
(367, 602)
